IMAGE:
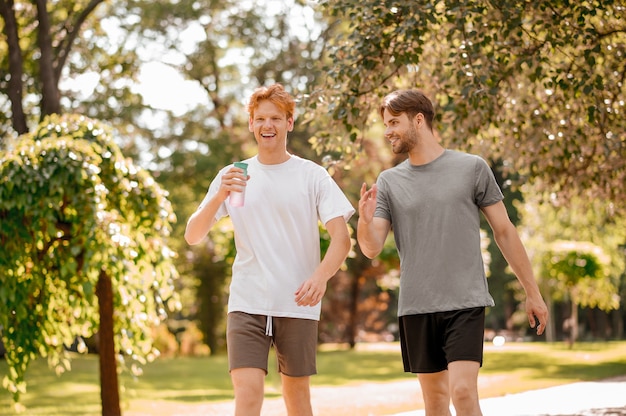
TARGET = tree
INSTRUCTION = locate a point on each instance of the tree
(84, 232)
(577, 252)
(41, 43)
(539, 85)
(577, 269)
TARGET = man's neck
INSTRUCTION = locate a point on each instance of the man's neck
(425, 153)
(273, 158)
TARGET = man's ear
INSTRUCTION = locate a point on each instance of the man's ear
(290, 124)
(418, 119)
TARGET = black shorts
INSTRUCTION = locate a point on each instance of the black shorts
(430, 341)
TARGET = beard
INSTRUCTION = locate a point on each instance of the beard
(406, 141)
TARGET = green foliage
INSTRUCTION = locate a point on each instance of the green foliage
(71, 207)
(572, 266)
(539, 85)
(577, 248)
(578, 269)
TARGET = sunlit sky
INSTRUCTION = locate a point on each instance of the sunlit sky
(161, 85)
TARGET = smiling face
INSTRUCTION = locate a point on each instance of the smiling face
(401, 132)
(270, 126)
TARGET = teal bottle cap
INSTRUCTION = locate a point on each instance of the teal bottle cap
(242, 165)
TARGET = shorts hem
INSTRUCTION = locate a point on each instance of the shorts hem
(248, 366)
(302, 375)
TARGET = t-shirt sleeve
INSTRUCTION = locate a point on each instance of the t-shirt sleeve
(213, 188)
(383, 210)
(486, 190)
(332, 202)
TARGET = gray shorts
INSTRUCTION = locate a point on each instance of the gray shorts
(295, 342)
(432, 340)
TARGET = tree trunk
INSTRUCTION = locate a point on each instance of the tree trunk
(16, 84)
(109, 389)
(50, 96)
(617, 323)
(550, 326)
(354, 310)
(573, 323)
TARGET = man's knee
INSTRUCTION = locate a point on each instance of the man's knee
(463, 392)
(248, 385)
(465, 398)
(297, 395)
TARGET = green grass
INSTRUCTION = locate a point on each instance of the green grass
(510, 369)
(538, 365)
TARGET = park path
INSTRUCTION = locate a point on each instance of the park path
(401, 398)
(589, 398)
(359, 399)
(601, 398)
(366, 399)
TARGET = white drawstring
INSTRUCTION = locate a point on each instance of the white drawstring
(268, 326)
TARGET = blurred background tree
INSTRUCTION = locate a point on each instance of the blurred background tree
(579, 256)
(539, 86)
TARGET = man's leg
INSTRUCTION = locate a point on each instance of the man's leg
(295, 341)
(248, 384)
(297, 395)
(464, 387)
(248, 348)
(464, 350)
(435, 392)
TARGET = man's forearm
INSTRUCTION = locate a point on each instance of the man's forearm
(369, 243)
(336, 254)
(515, 254)
(201, 222)
(334, 258)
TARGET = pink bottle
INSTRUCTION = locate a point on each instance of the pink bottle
(237, 199)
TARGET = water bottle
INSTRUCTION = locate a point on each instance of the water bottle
(237, 199)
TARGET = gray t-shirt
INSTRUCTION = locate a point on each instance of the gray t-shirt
(434, 210)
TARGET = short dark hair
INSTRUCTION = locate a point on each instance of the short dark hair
(411, 102)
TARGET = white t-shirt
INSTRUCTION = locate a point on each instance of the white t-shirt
(277, 235)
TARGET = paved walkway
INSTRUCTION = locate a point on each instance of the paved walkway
(602, 398)
(606, 398)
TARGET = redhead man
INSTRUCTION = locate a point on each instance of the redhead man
(278, 277)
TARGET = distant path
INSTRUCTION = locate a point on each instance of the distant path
(368, 399)
(362, 399)
(585, 398)
(359, 399)
(402, 398)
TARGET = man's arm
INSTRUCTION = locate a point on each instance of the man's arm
(203, 219)
(371, 231)
(513, 250)
(311, 292)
